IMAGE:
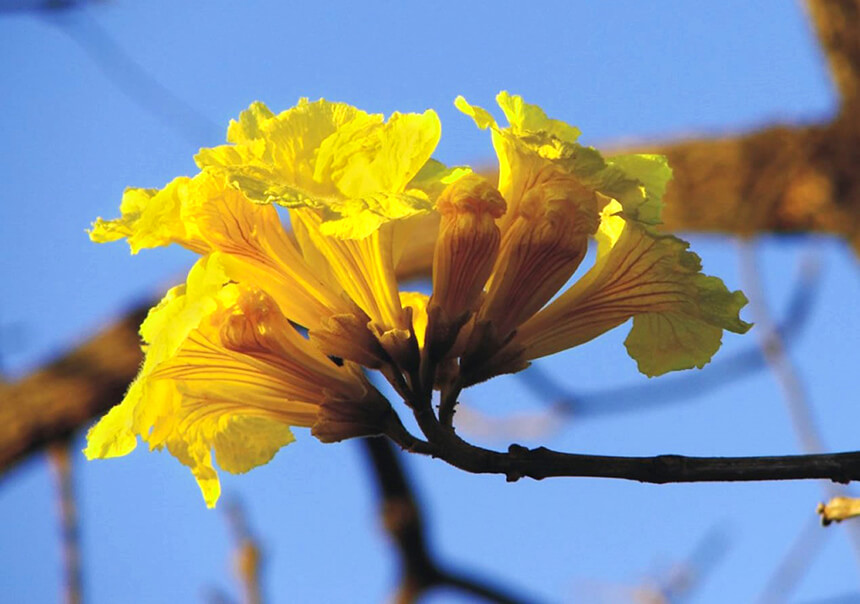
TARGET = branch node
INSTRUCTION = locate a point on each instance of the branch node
(667, 468)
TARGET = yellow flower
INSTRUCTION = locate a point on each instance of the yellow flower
(225, 371)
(558, 194)
(224, 368)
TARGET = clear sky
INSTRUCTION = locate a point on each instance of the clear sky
(80, 122)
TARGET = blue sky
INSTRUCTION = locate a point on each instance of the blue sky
(80, 124)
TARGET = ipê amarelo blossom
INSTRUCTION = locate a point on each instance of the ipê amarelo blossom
(275, 328)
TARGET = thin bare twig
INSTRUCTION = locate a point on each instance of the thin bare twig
(131, 78)
(404, 522)
(61, 462)
(794, 564)
(787, 374)
(248, 558)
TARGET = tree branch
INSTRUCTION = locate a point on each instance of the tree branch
(54, 402)
(539, 463)
(70, 537)
(404, 522)
(835, 23)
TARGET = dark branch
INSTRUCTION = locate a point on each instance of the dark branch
(403, 521)
(539, 463)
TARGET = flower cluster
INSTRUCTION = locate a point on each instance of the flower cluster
(275, 328)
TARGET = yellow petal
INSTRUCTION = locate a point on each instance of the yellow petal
(151, 218)
(224, 370)
(348, 165)
(245, 442)
(483, 118)
(417, 302)
(838, 509)
(257, 250)
(273, 157)
(113, 435)
(364, 268)
(164, 329)
(246, 353)
(250, 124)
(382, 159)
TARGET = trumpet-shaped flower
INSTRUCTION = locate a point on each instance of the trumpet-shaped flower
(225, 371)
(558, 194)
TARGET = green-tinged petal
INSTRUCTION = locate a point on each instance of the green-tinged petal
(434, 176)
(358, 218)
(679, 313)
(526, 119)
(534, 144)
(532, 148)
(638, 182)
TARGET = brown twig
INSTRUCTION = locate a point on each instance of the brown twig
(403, 521)
(248, 558)
(69, 529)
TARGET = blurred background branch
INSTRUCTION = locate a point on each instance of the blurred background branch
(67, 509)
(404, 522)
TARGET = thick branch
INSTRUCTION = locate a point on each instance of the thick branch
(54, 402)
(777, 180)
(835, 23)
